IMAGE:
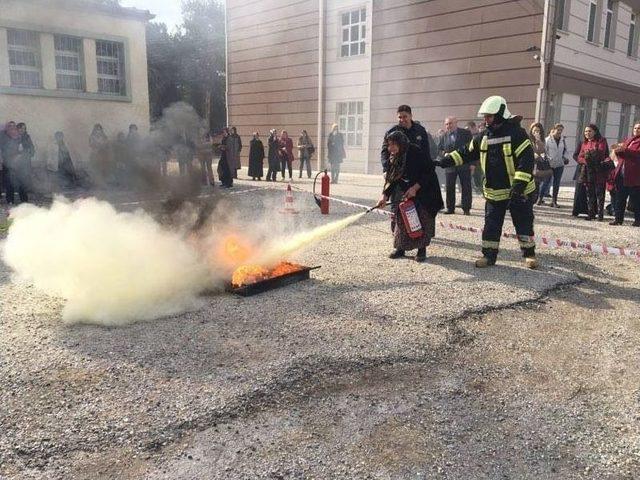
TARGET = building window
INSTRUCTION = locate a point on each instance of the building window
(591, 26)
(110, 62)
(632, 46)
(24, 58)
(625, 120)
(584, 115)
(354, 33)
(636, 115)
(351, 121)
(561, 14)
(609, 25)
(602, 109)
(555, 107)
(69, 67)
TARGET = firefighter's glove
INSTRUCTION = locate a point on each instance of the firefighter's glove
(444, 162)
(517, 191)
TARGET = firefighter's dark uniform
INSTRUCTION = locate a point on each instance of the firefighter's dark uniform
(506, 158)
(417, 135)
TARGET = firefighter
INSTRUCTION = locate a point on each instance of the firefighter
(506, 158)
(415, 132)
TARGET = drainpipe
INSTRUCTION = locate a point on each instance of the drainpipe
(226, 63)
(320, 141)
(547, 56)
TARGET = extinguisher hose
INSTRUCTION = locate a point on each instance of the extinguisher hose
(317, 198)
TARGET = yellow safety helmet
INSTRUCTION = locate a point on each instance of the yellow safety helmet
(495, 105)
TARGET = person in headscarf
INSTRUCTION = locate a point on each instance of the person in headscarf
(273, 157)
(121, 159)
(335, 152)
(10, 150)
(225, 173)
(100, 161)
(256, 157)
(234, 147)
(24, 171)
(305, 151)
(66, 171)
(410, 176)
(286, 154)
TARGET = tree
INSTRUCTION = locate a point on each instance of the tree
(189, 65)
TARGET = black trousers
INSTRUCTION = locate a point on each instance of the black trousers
(595, 199)
(14, 182)
(452, 175)
(521, 210)
(272, 172)
(622, 195)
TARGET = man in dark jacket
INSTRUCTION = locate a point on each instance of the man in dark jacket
(453, 139)
(412, 129)
(506, 157)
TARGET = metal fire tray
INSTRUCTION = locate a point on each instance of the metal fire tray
(271, 283)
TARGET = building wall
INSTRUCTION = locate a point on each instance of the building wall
(574, 52)
(272, 50)
(47, 110)
(347, 79)
(444, 57)
(588, 69)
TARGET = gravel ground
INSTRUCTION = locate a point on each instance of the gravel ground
(373, 369)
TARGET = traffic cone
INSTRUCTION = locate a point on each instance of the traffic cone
(288, 201)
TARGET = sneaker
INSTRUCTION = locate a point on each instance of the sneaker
(540, 202)
(555, 205)
(485, 262)
(449, 212)
(396, 254)
(421, 256)
(531, 262)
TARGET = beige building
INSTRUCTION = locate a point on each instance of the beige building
(307, 64)
(68, 64)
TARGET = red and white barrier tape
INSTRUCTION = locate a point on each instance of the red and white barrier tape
(558, 242)
(539, 239)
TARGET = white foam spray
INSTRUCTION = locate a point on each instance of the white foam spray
(112, 268)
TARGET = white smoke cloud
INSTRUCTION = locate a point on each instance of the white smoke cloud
(112, 268)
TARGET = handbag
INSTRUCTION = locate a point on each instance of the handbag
(542, 169)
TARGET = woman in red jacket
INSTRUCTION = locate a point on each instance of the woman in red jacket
(626, 177)
(594, 169)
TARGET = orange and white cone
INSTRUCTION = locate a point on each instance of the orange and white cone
(288, 201)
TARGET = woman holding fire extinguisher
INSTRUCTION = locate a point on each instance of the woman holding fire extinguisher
(412, 187)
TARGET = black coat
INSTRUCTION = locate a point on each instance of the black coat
(274, 158)
(256, 158)
(417, 170)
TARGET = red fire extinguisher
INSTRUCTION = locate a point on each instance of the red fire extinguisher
(322, 200)
(410, 218)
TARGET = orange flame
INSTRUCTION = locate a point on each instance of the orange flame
(248, 274)
(235, 251)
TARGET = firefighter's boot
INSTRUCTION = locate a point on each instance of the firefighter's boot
(485, 262)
